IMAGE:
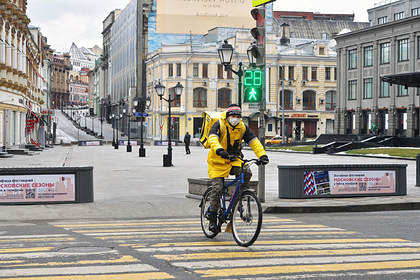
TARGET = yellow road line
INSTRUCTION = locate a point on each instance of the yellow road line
(122, 259)
(248, 271)
(126, 276)
(37, 239)
(297, 226)
(274, 242)
(296, 253)
(200, 234)
(25, 250)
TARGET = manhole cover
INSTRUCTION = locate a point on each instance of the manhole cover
(85, 249)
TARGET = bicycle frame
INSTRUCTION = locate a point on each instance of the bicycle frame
(240, 180)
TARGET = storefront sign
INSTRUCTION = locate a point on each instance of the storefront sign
(298, 116)
(349, 182)
(37, 188)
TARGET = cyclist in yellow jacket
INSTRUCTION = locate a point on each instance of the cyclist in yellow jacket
(225, 139)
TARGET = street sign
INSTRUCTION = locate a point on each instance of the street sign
(256, 3)
(138, 114)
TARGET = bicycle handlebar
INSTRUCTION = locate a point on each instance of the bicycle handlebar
(255, 160)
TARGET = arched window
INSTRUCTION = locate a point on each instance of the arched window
(200, 97)
(224, 97)
(331, 102)
(309, 100)
(177, 101)
(288, 99)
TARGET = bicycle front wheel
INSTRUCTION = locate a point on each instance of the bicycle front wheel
(205, 214)
(246, 219)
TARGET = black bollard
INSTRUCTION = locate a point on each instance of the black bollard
(418, 170)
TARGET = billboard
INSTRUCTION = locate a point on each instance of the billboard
(199, 16)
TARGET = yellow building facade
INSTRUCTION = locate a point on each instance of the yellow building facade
(207, 87)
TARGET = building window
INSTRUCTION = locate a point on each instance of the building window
(309, 98)
(177, 101)
(270, 127)
(418, 47)
(402, 90)
(178, 69)
(224, 97)
(200, 97)
(385, 53)
(382, 20)
(353, 59)
(368, 83)
(281, 72)
(321, 51)
(205, 70)
(399, 15)
(229, 74)
(288, 100)
(352, 90)
(313, 74)
(368, 59)
(220, 71)
(385, 89)
(335, 73)
(195, 69)
(403, 50)
(170, 70)
(328, 73)
(415, 12)
(291, 73)
(305, 73)
(331, 102)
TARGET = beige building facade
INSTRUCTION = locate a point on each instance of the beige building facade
(21, 61)
(306, 67)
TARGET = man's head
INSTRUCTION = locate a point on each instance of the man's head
(234, 114)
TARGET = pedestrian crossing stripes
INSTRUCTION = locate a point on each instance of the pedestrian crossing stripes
(177, 249)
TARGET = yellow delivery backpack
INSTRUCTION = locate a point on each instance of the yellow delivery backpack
(209, 118)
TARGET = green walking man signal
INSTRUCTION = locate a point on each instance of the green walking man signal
(253, 83)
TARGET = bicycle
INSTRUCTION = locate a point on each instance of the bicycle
(243, 214)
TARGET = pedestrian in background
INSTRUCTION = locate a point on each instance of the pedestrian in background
(187, 140)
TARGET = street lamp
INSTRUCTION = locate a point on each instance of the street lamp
(128, 118)
(116, 132)
(140, 105)
(250, 52)
(111, 117)
(160, 90)
(225, 54)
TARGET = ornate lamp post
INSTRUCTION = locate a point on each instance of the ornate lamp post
(112, 117)
(225, 54)
(140, 105)
(128, 119)
(160, 90)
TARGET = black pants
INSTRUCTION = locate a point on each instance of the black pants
(187, 149)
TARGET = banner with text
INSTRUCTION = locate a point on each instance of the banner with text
(349, 182)
(37, 188)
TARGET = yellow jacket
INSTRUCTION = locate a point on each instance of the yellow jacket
(220, 167)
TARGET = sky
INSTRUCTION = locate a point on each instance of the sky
(80, 21)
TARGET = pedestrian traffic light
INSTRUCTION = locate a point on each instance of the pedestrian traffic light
(258, 33)
(253, 82)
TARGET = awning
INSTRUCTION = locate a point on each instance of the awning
(405, 79)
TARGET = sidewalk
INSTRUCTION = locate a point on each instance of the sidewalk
(128, 187)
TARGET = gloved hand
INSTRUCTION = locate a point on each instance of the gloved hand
(222, 153)
(264, 159)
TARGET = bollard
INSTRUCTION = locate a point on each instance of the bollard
(418, 170)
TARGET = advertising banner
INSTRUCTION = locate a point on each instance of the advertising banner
(37, 188)
(349, 182)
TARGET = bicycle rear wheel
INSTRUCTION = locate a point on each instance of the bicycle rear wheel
(246, 219)
(205, 213)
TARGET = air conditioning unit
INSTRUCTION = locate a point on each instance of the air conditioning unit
(303, 82)
(321, 101)
(298, 99)
(205, 83)
(281, 83)
(290, 82)
(228, 84)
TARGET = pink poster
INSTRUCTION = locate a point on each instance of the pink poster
(37, 188)
(348, 182)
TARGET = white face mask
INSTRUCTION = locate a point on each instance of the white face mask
(234, 121)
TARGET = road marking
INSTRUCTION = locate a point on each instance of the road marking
(25, 250)
(306, 268)
(297, 253)
(295, 261)
(34, 236)
(122, 259)
(82, 272)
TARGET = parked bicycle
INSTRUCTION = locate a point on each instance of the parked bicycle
(243, 213)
